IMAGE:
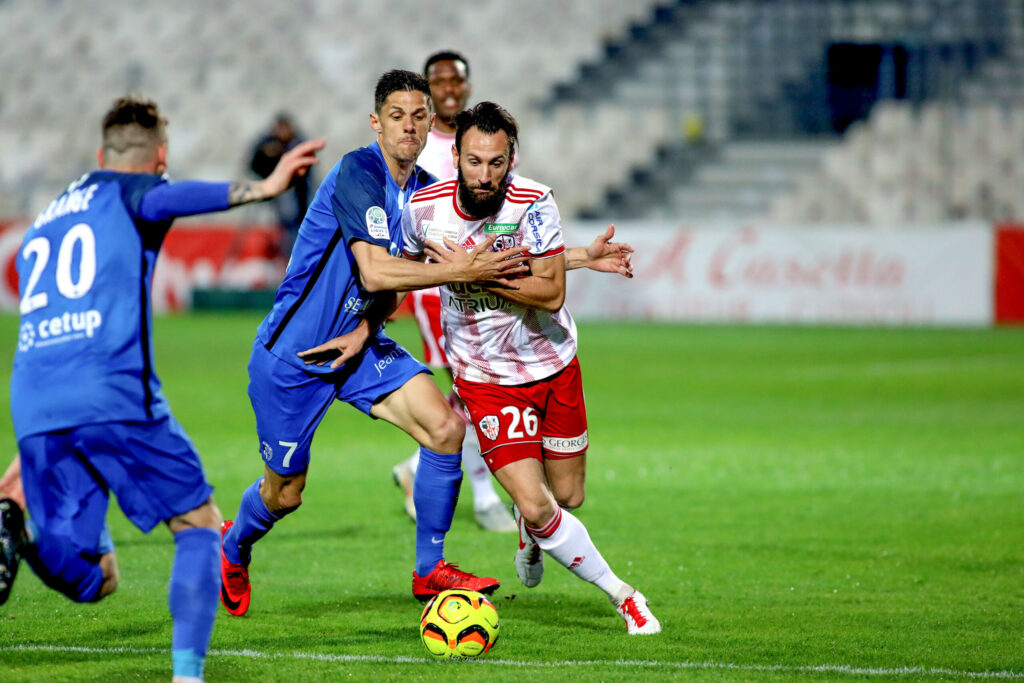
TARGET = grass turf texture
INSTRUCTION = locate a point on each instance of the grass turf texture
(788, 498)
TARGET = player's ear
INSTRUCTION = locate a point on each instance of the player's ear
(161, 159)
(433, 117)
(99, 157)
(455, 158)
(375, 123)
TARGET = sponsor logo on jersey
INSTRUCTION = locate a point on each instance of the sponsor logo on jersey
(26, 336)
(436, 232)
(564, 444)
(59, 329)
(377, 223)
(501, 227)
(355, 305)
(489, 426)
(387, 360)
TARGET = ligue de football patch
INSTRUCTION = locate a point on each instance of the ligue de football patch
(436, 232)
(489, 426)
(377, 223)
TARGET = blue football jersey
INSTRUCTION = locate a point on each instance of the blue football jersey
(321, 297)
(84, 271)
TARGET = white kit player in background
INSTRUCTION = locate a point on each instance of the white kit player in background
(513, 351)
(448, 75)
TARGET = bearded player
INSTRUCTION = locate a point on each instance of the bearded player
(513, 352)
(448, 75)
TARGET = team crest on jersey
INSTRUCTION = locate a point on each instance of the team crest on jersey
(504, 242)
(436, 232)
(377, 223)
(489, 426)
(268, 452)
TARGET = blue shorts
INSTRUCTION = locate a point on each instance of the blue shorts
(68, 475)
(290, 402)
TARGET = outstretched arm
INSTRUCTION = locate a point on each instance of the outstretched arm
(189, 197)
(294, 163)
(380, 271)
(602, 255)
(543, 287)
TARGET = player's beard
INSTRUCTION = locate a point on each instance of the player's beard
(481, 207)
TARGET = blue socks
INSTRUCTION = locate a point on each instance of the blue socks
(195, 583)
(435, 493)
(252, 523)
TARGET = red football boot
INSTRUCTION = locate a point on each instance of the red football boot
(235, 589)
(446, 576)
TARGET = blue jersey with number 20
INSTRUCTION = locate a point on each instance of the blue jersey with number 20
(84, 272)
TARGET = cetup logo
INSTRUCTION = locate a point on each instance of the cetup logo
(26, 337)
(59, 329)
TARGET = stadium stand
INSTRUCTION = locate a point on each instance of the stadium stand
(698, 110)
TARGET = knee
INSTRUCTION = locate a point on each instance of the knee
(206, 516)
(111, 576)
(447, 435)
(283, 497)
(570, 500)
(537, 511)
(285, 501)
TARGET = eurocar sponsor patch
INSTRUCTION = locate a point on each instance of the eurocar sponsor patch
(501, 227)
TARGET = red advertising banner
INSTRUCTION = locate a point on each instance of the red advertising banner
(945, 274)
(1009, 278)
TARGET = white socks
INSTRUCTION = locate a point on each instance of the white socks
(566, 540)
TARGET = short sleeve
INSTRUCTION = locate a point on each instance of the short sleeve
(542, 229)
(359, 201)
(134, 187)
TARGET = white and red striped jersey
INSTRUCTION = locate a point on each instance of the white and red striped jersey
(488, 338)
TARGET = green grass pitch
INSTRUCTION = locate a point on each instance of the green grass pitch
(797, 503)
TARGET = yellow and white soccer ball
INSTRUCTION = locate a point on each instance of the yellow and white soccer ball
(459, 623)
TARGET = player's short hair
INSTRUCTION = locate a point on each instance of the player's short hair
(133, 128)
(399, 80)
(445, 56)
(488, 118)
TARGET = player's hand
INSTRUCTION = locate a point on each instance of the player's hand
(481, 265)
(338, 350)
(10, 483)
(606, 256)
(294, 162)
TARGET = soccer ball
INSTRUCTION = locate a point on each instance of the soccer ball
(459, 623)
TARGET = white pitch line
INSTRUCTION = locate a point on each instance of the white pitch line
(916, 671)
